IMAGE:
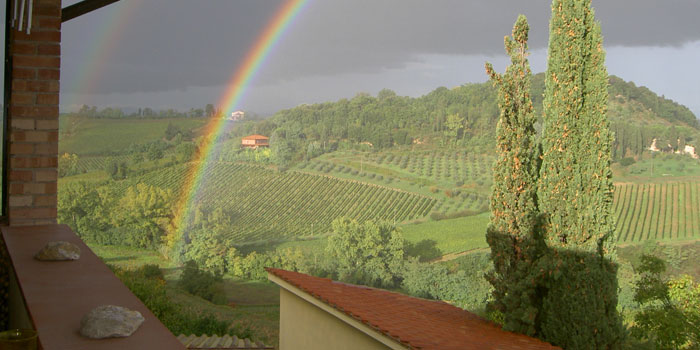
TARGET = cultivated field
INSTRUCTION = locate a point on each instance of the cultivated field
(660, 211)
(457, 167)
(459, 181)
(88, 164)
(269, 205)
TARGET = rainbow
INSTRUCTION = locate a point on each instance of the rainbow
(230, 100)
(102, 45)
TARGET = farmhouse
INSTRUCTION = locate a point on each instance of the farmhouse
(318, 313)
(237, 115)
(690, 150)
(654, 147)
(255, 141)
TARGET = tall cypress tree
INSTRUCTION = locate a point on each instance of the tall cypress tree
(510, 234)
(575, 188)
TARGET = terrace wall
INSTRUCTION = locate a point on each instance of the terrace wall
(33, 118)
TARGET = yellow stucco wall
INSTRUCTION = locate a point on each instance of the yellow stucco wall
(304, 326)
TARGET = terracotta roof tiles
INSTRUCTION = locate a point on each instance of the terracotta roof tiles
(256, 137)
(414, 322)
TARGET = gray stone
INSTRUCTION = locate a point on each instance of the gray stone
(110, 321)
(58, 251)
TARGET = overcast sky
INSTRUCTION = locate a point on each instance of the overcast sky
(181, 53)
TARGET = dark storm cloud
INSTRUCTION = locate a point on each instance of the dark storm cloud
(174, 44)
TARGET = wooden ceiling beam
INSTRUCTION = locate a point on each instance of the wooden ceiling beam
(83, 7)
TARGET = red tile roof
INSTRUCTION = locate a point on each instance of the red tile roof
(414, 322)
(256, 137)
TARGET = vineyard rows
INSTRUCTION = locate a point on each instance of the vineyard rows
(662, 211)
(87, 164)
(268, 205)
(445, 173)
(455, 166)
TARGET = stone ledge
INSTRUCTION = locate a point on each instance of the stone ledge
(58, 294)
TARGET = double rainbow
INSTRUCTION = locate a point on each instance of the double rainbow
(101, 46)
(230, 100)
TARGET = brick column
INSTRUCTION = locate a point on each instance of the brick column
(33, 117)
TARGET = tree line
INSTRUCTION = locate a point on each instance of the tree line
(465, 116)
(146, 112)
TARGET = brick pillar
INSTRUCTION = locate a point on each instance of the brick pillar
(33, 117)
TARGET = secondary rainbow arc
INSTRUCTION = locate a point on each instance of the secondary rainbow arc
(102, 45)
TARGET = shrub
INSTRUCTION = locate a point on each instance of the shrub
(200, 283)
(151, 271)
(627, 161)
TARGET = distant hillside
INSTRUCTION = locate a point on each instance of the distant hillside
(464, 116)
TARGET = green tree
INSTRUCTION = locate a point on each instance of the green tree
(511, 234)
(281, 150)
(171, 131)
(82, 206)
(144, 215)
(370, 253)
(454, 125)
(670, 309)
(209, 110)
(201, 283)
(185, 151)
(116, 170)
(67, 164)
(575, 189)
(207, 246)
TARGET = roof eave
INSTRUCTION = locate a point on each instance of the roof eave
(362, 327)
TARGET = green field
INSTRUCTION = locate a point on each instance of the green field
(448, 236)
(84, 136)
(664, 166)
(660, 211)
(269, 205)
(452, 235)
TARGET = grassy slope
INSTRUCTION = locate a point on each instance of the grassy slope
(105, 136)
(662, 167)
(251, 304)
(452, 235)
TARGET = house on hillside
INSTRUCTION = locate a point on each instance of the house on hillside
(318, 313)
(654, 147)
(255, 141)
(690, 150)
(237, 115)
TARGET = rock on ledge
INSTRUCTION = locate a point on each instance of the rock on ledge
(58, 251)
(108, 321)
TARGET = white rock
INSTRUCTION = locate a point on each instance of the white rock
(57, 251)
(109, 321)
